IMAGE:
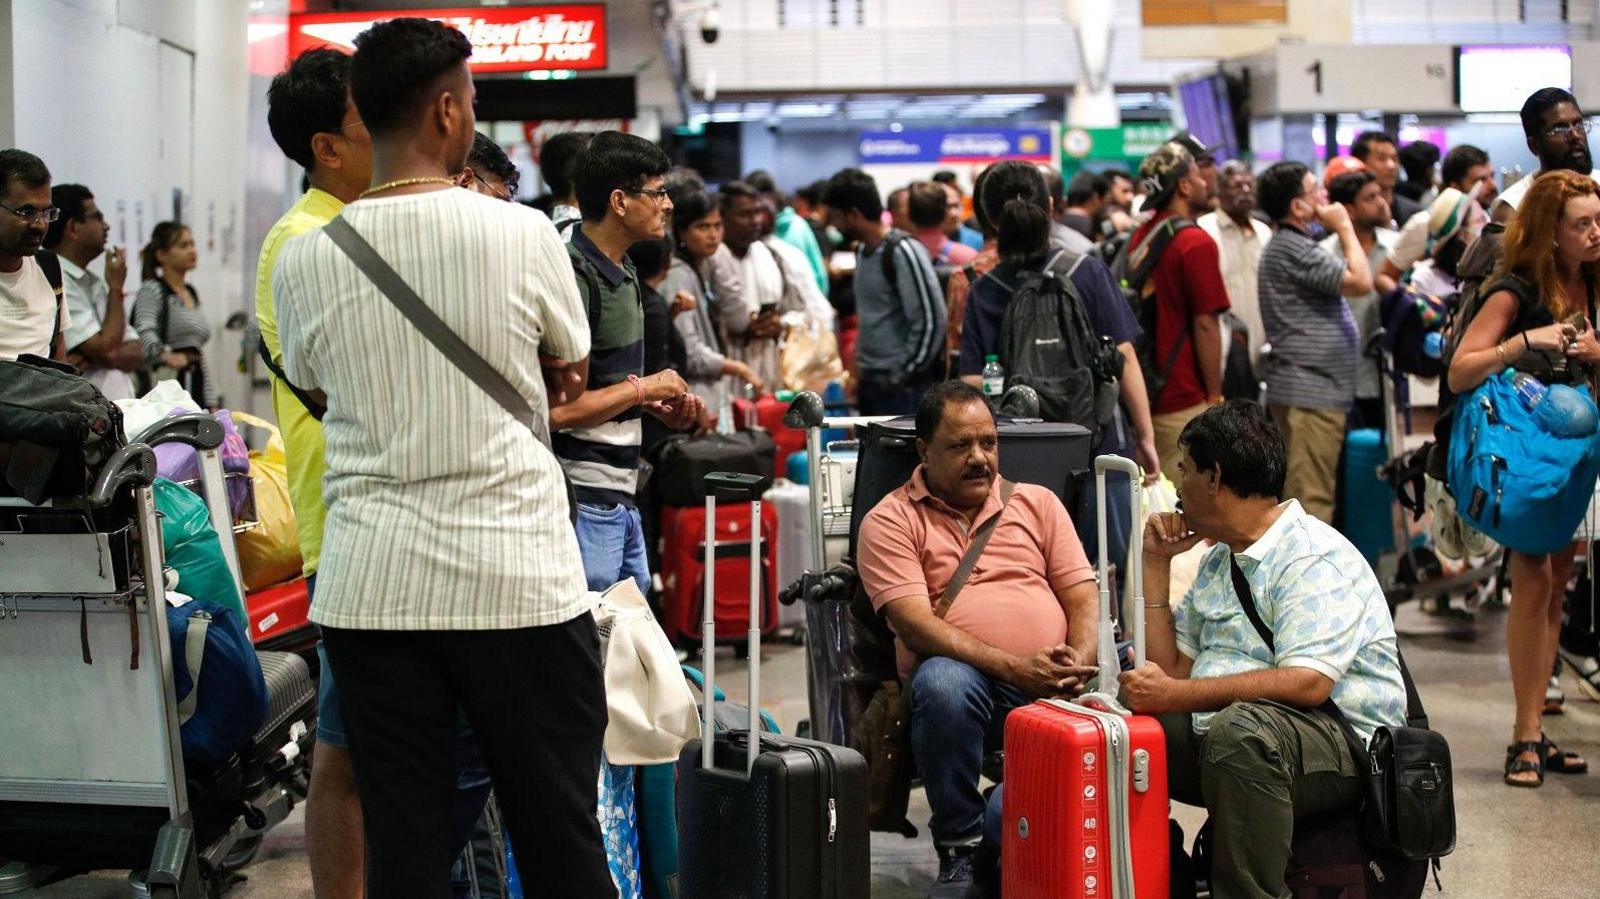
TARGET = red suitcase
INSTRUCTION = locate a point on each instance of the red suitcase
(767, 414)
(1085, 807)
(278, 619)
(683, 533)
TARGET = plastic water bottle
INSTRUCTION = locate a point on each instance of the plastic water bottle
(1530, 390)
(1433, 345)
(994, 378)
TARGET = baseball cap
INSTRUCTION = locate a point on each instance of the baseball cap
(1160, 171)
(1341, 165)
(1196, 148)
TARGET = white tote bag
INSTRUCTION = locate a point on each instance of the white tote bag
(652, 711)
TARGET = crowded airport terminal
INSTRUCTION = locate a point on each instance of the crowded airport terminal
(799, 449)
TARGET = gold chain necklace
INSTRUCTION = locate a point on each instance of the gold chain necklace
(404, 182)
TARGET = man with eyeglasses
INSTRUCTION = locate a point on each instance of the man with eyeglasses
(33, 319)
(490, 171)
(618, 179)
(101, 341)
(1558, 134)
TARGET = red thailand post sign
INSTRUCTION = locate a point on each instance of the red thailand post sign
(504, 38)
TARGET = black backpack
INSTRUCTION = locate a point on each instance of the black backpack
(1476, 266)
(50, 264)
(1047, 342)
(56, 429)
(1132, 266)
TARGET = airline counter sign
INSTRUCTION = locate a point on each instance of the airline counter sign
(504, 38)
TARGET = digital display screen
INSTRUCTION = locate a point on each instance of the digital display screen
(1209, 114)
(1499, 78)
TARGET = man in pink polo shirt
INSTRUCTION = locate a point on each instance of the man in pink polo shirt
(1023, 625)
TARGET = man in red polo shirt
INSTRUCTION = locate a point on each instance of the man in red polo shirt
(1022, 626)
(1189, 293)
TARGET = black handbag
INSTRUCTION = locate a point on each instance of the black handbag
(1409, 806)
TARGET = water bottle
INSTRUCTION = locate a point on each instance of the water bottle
(1433, 345)
(994, 378)
(1530, 390)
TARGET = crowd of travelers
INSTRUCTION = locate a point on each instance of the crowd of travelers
(450, 546)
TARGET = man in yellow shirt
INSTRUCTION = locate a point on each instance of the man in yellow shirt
(316, 125)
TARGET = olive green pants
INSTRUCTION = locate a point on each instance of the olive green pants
(1259, 767)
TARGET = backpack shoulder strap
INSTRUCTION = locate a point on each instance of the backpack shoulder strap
(1145, 254)
(890, 272)
(591, 287)
(51, 267)
(316, 409)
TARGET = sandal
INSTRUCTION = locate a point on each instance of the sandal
(1560, 762)
(1517, 765)
(1554, 697)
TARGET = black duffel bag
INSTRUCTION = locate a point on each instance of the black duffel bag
(682, 462)
(56, 429)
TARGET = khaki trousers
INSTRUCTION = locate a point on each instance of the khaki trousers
(1314, 438)
(1168, 426)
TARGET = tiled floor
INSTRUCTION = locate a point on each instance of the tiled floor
(1514, 844)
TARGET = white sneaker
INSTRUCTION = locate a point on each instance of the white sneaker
(1446, 528)
(1554, 698)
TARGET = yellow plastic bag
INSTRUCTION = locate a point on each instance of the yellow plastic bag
(269, 553)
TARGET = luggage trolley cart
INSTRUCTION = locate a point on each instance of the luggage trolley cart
(1408, 571)
(92, 774)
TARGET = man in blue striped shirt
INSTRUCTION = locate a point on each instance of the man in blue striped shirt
(618, 180)
(900, 351)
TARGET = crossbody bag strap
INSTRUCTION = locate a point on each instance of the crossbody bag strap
(464, 357)
(969, 559)
(1415, 715)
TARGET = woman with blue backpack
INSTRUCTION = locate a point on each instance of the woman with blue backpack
(1523, 451)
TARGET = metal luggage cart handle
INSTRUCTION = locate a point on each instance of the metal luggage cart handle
(196, 429)
(132, 466)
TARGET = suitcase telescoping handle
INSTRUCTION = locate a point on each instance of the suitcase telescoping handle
(731, 486)
(1135, 578)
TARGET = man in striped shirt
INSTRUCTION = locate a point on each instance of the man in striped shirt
(900, 352)
(1311, 374)
(446, 578)
(619, 183)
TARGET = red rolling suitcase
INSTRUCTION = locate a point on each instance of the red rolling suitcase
(683, 571)
(767, 414)
(1085, 807)
(278, 619)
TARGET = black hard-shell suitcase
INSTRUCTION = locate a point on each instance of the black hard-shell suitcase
(782, 818)
(1054, 455)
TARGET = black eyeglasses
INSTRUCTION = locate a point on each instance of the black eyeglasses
(655, 193)
(34, 215)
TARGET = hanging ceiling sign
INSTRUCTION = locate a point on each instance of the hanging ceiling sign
(966, 145)
(504, 38)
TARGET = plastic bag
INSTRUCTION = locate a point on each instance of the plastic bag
(809, 354)
(1162, 496)
(192, 548)
(269, 553)
(165, 399)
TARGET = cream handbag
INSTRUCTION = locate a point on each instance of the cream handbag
(652, 711)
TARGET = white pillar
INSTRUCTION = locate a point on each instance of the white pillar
(1094, 102)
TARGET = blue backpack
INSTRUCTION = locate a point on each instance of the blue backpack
(222, 697)
(1512, 480)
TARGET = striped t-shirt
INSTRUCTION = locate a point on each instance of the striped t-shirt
(603, 460)
(1312, 331)
(444, 511)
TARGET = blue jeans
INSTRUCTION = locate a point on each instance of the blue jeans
(611, 541)
(956, 715)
